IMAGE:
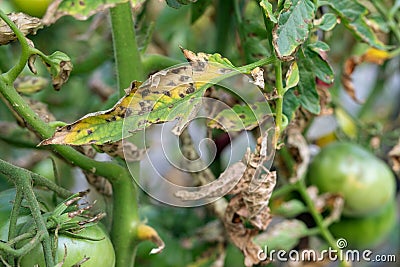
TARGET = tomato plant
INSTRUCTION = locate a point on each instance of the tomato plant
(366, 183)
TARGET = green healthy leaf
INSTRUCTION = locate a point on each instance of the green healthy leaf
(353, 15)
(241, 117)
(308, 95)
(319, 66)
(293, 27)
(167, 95)
(267, 7)
(79, 9)
(290, 104)
(327, 22)
(319, 46)
(290, 209)
(292, 76)
(282, 236)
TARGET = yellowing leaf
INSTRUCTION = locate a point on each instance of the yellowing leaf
(145, 232)
(292, 76)
(175, 93)
(376, 56)
(240, 117)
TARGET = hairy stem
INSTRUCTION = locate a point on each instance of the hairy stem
(279, 102)
(37, 217)
(13, 73)
(125, 206)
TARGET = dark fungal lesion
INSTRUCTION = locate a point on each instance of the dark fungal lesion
(191, 89)
(167, 93)
(145, 92)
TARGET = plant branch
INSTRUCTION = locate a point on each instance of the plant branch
(125, 204)
(13, 73)
(302, 189)
(279, 102)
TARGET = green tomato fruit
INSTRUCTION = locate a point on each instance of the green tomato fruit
(366, 182)
(35, 8)
(100, 252)
(368, 232)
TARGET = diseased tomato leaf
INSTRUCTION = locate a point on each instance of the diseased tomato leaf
(292, 76)
(293, 27)
(353, 15)
(79, 9)
(241, 117)
(25, 23)
(175, 93)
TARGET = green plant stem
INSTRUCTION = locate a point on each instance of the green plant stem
(25, 182)
(12, 229)
(125, 204)
(279, 102)
(249, 67)
(13, 73)
(126, 52)
(302, 189)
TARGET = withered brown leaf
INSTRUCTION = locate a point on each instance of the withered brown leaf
(25, 23)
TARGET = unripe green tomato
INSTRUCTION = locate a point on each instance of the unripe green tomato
(366, 232)
(99, 252)
(35, 8)
(365, 182)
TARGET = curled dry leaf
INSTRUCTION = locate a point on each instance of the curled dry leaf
(145, 232)
(298, 146)
(41, 110)
(59, 65)
(250, 204)
(258, 77)
(327, 201)
(394, 156)
(25, 23)
(347, 81)
(226, 181)
(372, 55)
(101, 184)
(30, 84)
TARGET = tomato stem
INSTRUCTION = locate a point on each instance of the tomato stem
(326, 234)
(125, 205)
